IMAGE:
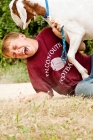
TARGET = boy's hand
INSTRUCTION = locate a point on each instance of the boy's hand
(56, 28)
(40, 95)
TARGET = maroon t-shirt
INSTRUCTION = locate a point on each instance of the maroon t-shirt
(46, 70)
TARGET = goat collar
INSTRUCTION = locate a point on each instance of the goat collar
(47, 9)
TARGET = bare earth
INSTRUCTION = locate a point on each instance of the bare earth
(13, 91)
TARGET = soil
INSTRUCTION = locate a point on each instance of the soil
(13, 91)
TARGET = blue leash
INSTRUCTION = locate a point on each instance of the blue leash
(47, 9)
(64, 53)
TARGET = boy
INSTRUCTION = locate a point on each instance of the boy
(46, 70)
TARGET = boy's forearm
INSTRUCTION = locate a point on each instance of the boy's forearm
(57, 31)
(40, 95)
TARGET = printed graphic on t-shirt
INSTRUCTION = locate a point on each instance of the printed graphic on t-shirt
(64, 72)
(57, 64)
(51, 52)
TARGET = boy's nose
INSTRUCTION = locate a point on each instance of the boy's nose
(19, 51)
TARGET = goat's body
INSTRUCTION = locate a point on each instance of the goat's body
(77, 18)
(77, 14)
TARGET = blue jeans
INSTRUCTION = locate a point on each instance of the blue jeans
(85, 87)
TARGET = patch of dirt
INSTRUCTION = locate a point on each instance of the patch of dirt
(13, 91)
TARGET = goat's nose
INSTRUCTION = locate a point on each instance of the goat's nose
(21, 27)
(24, 26)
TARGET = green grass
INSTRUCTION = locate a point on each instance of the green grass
(16, 73)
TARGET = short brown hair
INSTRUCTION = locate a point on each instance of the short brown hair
(6, 42)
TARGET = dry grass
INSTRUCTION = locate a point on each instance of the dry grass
(56, 119)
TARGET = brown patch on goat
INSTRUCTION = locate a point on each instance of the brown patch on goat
(15, 9)
(31, 9)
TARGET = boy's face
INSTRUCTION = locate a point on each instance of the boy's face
(22, 47)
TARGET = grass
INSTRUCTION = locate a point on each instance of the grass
(55, 119)
(16, 73)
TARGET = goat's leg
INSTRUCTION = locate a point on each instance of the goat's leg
(75, 41)
(80, 68)
(75, 32)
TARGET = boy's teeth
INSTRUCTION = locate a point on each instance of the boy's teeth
(25, 50)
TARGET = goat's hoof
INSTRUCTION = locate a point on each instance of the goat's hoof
(84, 76)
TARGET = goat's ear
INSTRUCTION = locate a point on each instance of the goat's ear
(14, 15)
(22, 12)
(22, 36)
(11, 4)
(16, 19)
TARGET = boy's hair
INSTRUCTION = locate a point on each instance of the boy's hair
(6, 42)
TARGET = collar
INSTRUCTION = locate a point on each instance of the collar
(47, 9)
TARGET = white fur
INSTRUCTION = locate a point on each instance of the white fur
(77, 18)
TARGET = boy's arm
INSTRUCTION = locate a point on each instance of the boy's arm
(39, 95)
(56, 29)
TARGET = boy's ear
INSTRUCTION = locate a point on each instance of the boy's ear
(22, 36)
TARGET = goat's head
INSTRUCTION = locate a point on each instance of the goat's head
(23, 11)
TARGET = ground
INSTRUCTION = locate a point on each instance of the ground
(13, 91)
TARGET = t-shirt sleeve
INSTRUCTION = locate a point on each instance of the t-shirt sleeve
(38, 82)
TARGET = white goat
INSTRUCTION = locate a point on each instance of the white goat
(75, 15)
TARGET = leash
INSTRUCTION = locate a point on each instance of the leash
(47, 9)
(64, 53)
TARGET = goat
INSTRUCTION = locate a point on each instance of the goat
(75, 15)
